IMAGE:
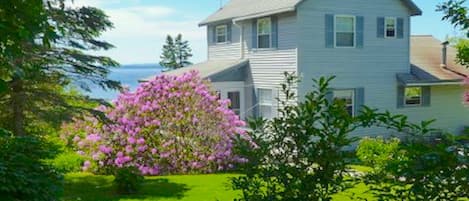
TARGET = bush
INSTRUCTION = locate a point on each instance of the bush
(377, 152)
(128, 180)
(23, 173)
(172, 124)
(301, 153)
(68, 162)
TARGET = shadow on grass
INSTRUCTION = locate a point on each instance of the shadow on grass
(101, 188)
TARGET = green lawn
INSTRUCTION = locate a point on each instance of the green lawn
(84, 187)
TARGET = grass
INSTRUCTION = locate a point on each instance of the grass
(84, 187)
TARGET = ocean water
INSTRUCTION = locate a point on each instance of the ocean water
(128, 75)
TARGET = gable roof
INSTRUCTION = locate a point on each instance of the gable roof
(207, 69)
(247, 9)
(426, 68)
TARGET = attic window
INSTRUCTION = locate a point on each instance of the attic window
(264, 33)
(390, 27)
(221, 33)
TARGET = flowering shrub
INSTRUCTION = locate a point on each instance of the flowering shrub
(171, 124)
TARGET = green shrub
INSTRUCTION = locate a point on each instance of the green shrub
(68, 162)
(23, 173)
(128, 180)
(377, 152)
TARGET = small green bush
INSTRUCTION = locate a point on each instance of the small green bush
(128, 180)
(68, 162)
(24, 175)
(377, 152)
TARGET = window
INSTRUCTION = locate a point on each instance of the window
(413, 96)
(265, 103)
(345, 31)
(390, 27)
(264, 33)
(221, 32)
(348, 96)
(235, 99)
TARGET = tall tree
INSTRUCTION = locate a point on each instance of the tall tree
(176, 53)
(43, 48)
(168, 56)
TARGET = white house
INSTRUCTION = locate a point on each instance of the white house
(366, 44)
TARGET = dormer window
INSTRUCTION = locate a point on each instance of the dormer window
(264, 33)
(221, 32)
(390, 26)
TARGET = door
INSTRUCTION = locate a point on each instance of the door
(233, 91)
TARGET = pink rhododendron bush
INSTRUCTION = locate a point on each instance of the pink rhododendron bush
(172, 124)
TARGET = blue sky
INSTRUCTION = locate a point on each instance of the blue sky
(141, 25)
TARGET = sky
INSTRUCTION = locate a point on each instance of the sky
(141, 26)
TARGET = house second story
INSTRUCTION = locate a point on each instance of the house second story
(244, 28)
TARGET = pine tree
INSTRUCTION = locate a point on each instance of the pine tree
(183, 52)
(168, 57)
(176, 53)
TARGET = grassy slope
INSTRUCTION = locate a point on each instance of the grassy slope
(81, 186)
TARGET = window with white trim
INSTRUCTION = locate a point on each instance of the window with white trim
(221, 32)
(348, 97)
(390, 27)
(413, 96)
(264, 33)
(266, 103)
(344, 31)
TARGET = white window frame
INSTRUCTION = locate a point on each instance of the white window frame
(271, 104)
(413, 105)
(354, 31)
(217, 34)
(386, 27)
(353, 98)
(269, 34)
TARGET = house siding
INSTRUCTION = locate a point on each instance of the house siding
(228, 50)
(372, 67)
(268, 65)
(446, 106)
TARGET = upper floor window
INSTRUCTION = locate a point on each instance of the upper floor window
(390, 26)
(344, 31)
(221, 32)
(348, 96)
(264, 33)
(413, 96)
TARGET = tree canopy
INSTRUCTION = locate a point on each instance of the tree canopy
(176, 53)
(45, 46)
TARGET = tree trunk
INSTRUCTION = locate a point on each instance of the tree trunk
(17, 105)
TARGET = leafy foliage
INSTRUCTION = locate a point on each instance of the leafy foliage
(128, 180)
(301, 153)
(43, 48)
(377, 152)
(23, 173)
(172, 124)
(176, 53)
(68, 162)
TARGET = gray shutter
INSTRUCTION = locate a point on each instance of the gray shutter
(380, 27)
(228, 32)
(275, 104)
(329, 25)
(426, 96)
(360, 31)
(400, 96)
(330, 95)
(274, 21)
(254, 34)
(214, 34)
(359, 100)
(400, 28)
